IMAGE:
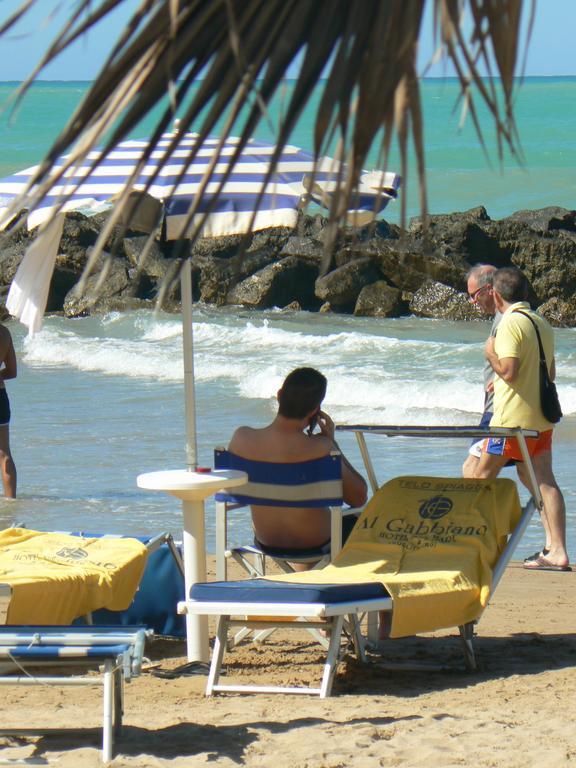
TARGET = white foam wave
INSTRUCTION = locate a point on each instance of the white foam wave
(373, 372)
(108, 356)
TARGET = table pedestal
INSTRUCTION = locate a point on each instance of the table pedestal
(193, 488)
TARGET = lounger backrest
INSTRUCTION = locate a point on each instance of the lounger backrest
(316, 483)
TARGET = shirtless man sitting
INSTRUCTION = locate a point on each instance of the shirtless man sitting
(289, 439)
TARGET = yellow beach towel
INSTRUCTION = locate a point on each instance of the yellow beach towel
(432, 542)
(57, 577)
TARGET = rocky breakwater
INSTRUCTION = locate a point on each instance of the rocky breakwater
(379, 270)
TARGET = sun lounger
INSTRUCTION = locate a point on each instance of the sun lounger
(381, 542)
(114, 652)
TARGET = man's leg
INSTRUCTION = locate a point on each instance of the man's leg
(489, 466)
(554, 512)
(525, 479)
(7, 466)
(469, 466)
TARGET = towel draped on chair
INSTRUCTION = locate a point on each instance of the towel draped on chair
(432, 543)
(57, 577)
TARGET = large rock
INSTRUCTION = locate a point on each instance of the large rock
(277, 285)
(379, 300)
(408, 264)
(110, 280)
(216, 276)
(441, 301)
(540, 220)
(304, 248)
(559, 312)
(341, 287)
(549, 263)
(152, 273)
(469, 235)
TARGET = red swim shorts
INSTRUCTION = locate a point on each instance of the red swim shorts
(508, 446)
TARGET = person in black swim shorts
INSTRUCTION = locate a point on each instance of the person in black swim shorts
(8, 370)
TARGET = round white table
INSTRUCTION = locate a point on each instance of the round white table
(193, 488)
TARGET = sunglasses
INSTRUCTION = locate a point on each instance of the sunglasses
(474, 296)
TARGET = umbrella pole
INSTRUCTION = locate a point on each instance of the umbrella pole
(188, 356)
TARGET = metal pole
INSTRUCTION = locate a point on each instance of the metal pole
(188, 356)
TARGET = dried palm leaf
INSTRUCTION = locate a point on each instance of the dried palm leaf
(365, 50)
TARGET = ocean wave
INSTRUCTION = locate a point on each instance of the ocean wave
(377, 371)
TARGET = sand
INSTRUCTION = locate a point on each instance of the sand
(517, 711)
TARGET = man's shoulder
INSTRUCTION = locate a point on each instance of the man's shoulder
(241, 435)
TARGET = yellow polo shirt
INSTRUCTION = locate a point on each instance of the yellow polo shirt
(517, 404)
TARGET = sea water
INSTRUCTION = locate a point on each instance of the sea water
(100, 400)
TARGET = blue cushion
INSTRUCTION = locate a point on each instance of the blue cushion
(267, 591)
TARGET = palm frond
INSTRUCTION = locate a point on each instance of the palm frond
(365, 50)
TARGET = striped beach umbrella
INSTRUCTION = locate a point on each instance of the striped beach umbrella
(237, 191)
(211, 187)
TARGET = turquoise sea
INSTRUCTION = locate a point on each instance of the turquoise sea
(100, 400)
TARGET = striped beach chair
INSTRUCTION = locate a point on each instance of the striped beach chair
(310, 484)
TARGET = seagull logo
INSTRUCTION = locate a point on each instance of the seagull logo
(73, 553)
(435, 508)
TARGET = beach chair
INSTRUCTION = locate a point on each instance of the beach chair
(353, 584)
(316, 483)
(116, 653)
(313, 484)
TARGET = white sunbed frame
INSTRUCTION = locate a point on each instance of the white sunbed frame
(332, 617)
(71, 646)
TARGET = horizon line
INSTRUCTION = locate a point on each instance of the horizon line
(290, 79)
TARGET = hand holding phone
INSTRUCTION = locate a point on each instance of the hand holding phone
(312, 424)
(326, 425)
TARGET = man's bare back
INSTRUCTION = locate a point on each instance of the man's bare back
(284, 441)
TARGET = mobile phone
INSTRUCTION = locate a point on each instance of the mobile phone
(312, 424)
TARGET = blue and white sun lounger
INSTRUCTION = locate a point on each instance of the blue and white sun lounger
(116, 652)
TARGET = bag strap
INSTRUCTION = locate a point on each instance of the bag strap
(540, 347)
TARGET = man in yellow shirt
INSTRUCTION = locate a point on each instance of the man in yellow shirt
(514, 356)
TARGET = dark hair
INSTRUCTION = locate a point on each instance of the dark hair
(511, 284)
(302, 391)
(482, 273)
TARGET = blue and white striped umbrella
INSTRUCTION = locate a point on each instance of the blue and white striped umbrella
(242, 203)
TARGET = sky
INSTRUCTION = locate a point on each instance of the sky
(551, 49)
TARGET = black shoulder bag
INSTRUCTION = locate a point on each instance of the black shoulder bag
(549, 401)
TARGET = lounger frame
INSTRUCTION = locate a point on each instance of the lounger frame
(335, 618)
(115, 652)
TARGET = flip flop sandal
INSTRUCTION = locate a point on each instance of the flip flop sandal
(541, 564)
(536, 555)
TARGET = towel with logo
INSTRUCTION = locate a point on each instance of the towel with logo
(56, 577)
(433, 543)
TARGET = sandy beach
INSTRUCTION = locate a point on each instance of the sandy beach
(515, 712)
